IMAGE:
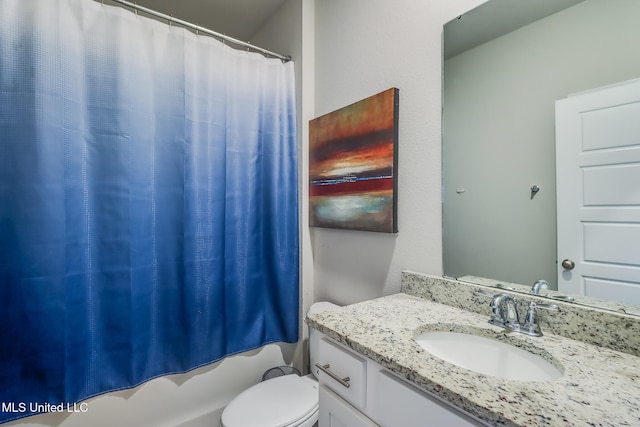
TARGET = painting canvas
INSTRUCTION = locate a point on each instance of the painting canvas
(353, 166)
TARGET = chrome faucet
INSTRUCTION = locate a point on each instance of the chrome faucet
(539, 286)
(504, 313)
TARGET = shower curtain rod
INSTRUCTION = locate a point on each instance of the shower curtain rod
(198, 28)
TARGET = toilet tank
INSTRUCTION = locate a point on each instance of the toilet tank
(314, 335)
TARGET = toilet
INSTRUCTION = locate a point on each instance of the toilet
(285, 401)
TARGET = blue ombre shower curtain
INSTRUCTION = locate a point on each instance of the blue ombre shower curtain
(148, 201)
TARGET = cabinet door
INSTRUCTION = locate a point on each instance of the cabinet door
(335, 412)
(403, 405)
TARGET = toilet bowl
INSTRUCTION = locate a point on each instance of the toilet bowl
(285, 401)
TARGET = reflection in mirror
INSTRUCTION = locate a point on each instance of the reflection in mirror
(499, 189)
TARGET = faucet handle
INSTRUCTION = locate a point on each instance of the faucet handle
(530, 325)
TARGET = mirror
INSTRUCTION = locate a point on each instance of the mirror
(505, 64)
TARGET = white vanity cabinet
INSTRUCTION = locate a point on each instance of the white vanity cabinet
(357, 392)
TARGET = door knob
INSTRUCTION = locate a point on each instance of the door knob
(567, 264)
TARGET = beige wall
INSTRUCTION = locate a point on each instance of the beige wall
(364, 47)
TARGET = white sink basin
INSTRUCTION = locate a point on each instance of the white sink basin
(488, 356)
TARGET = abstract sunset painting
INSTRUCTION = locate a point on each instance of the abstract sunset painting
(353, 166)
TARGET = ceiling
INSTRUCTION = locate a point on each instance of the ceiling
(240, 19)
(494, 19)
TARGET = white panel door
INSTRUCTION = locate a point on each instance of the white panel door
(598, 190)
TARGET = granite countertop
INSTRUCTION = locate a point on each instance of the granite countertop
(600, 387)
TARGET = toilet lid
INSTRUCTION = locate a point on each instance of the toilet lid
(277, 402)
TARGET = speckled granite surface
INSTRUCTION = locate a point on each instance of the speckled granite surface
(617, 331)
(600, 387)
(585, 301)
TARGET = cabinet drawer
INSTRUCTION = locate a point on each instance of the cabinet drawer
(343, 371)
